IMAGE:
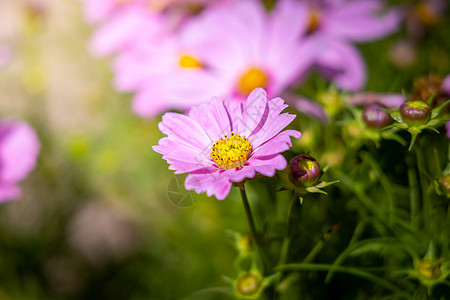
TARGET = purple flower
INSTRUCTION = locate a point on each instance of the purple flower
(221, 142)
(350, 20)
(19, 148)
(338, 24)
(124, 28)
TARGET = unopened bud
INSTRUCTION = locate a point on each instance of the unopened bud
(415, 112)
(304, 170)
(429, 269)
(248, 284)
(376, 118)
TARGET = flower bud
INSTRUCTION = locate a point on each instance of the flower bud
(248, 284)
(375, 117)
(429, 269)
(304, 170)
(415, 112)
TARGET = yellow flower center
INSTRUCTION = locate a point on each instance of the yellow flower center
(252, 79)
(188, 61)
(231, 152)
(314, 20)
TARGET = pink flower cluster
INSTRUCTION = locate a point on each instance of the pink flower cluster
(174, 54)
(19, 148)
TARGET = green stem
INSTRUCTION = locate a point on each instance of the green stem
(414, 192)
(287, 238)
(385, 182)
(423, 185)
(251, 225)
(352, 271)
(320, 244)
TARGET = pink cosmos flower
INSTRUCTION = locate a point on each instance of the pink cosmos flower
(19, 148)
(256, 48)
(221, 142)
(123, 28)
(340, 23)
(123, 22)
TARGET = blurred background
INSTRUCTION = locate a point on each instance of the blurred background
(101, 216)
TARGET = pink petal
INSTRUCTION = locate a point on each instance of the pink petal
(255, 111)
(184, 128)
(19, 148)
(270, 129)
(278, 144)
(268, 165)
(211, 182)
(213, 117)
(345, 64)
(365, 30)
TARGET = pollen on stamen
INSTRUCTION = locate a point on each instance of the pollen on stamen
(231, 152)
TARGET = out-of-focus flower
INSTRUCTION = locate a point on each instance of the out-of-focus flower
(124, 28)
(19, 148)
(221, 142)
(355, 21)
(122, 21)
(402, 53)
(96, 11)
(422, 15)
(342, 22)
(102, 233)
(256, 49)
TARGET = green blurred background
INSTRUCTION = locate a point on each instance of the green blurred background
(100, 217)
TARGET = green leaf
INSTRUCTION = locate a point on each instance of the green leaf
(326, 183)
(435, 112)
(413, 139)
(430, 100)
(397, 116)
(313, 189)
